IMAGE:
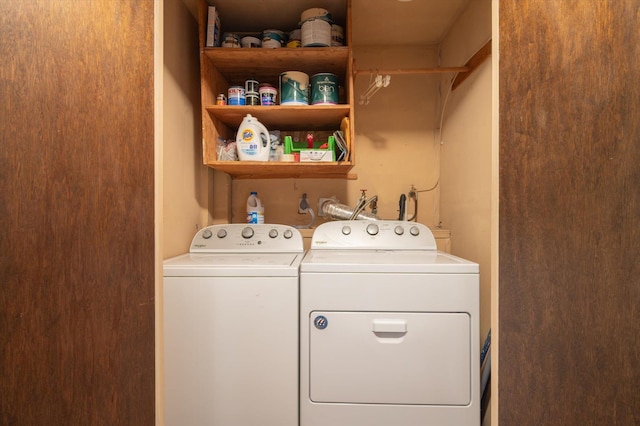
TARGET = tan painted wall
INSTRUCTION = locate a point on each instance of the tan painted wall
(186, 182)
(465, 193)
(466, 152)
(395, 147)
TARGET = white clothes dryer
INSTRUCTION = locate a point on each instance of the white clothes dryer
(231, 327)
(389, 329)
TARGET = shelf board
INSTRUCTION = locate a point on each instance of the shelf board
(298, 117)
(265, 65)
(277, 170)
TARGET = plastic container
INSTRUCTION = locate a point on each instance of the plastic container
(230, 40)
(236, 95)
(273, 39)
(255, 209)
(337, 35)
(253, 140)
(252, 99)
(250, 41)
(268, 94)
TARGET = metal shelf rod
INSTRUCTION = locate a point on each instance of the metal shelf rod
(411, 71)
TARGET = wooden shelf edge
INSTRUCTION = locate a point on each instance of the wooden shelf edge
(302, 117)
(277, 170)
(283, 51)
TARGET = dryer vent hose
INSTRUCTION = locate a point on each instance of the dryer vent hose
(337, 211)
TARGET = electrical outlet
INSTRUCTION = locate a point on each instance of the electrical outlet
(321, 201)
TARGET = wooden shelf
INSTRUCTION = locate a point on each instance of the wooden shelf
(276, 170)
(265, 65)
(222, 67)
(304, 117)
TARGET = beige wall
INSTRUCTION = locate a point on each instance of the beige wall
(465, 193)
(186, 182)
(395, 146)
(466, 152)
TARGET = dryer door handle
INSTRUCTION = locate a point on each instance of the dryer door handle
(389, 326)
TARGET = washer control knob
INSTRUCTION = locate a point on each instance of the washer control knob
(372, 229)
(399, 230)
(273, 233)
(206, 234)
(288, 234)
(415, 231)
(346, 230)
(247, 232)
(222, 233)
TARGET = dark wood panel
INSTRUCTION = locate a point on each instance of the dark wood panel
(569, 213)
(76, 213)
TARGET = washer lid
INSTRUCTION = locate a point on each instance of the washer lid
(386, 261)
(233, 265)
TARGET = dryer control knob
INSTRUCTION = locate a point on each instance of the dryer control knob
(222, 233)
(206, 234)
(399, 230)
(288, 234)
(372, 229)
(415, 231)
(247, 232)
(346, 230)
(273, 233)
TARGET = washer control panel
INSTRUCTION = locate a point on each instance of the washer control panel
(242, 238)
(369, 234)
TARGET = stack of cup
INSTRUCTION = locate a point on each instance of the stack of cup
(251, 92)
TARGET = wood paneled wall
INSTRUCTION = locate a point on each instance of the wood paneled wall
(569, 254)
(76, 212)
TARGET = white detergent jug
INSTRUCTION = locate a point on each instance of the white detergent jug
(251, 145)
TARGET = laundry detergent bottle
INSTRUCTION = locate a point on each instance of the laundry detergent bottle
(253, 140)
(255, 209)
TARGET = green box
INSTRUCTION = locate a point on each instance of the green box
(315, 154)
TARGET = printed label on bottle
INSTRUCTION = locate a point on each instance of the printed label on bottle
(255, 217)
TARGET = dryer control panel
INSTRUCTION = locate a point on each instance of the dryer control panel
(247, 238)
(373, 234)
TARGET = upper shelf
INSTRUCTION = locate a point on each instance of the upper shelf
(301, 117)
(267, 64)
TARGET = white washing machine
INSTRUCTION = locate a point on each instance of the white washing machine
(389, 329)
(231, 328)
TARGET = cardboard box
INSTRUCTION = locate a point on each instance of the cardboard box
(213, 28)
(314, 156)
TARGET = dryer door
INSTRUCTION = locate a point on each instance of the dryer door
(418, 358)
